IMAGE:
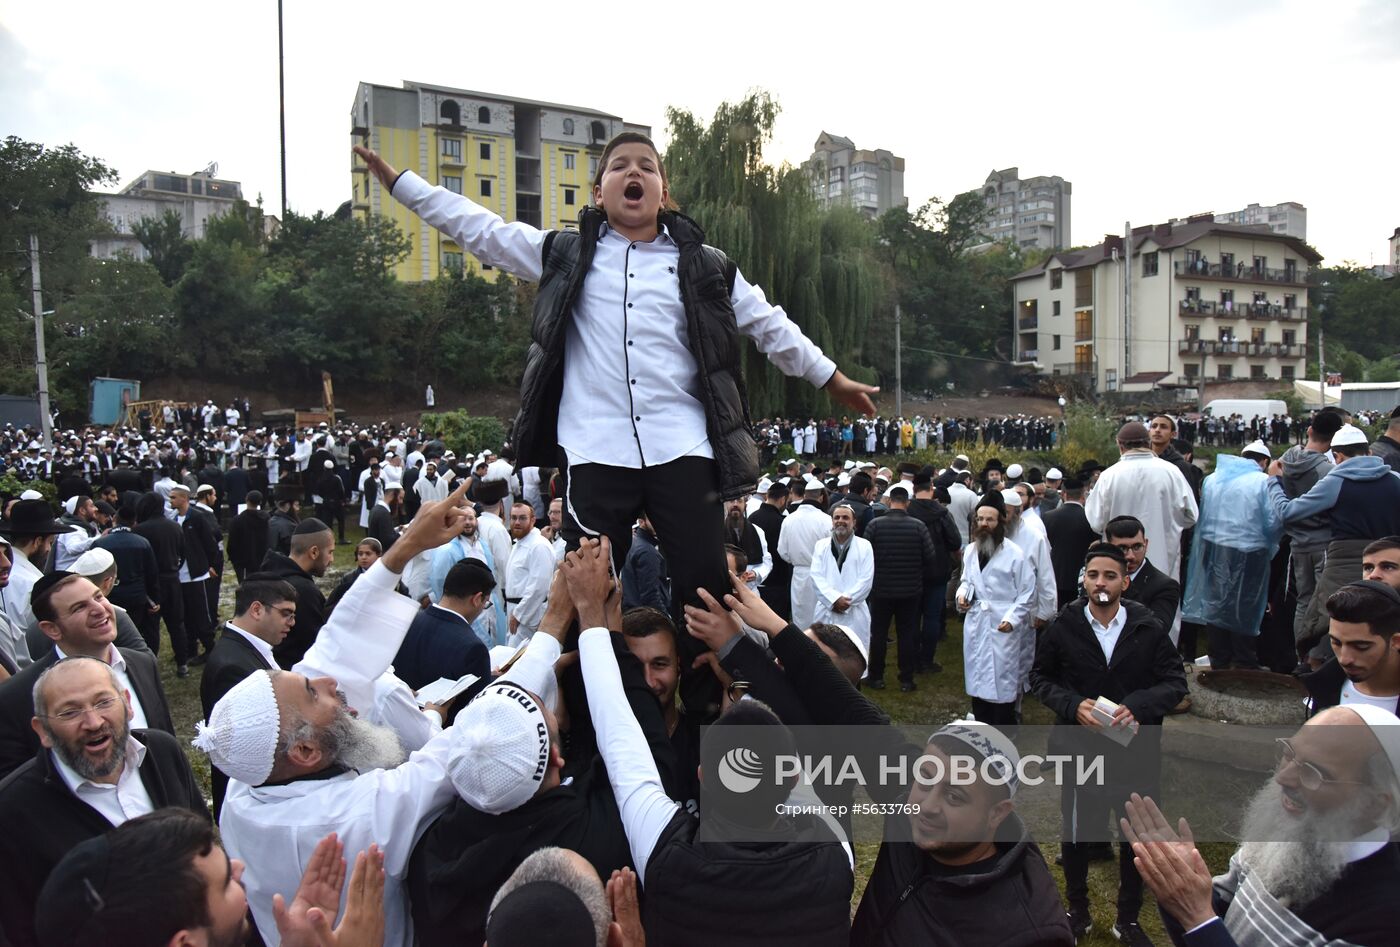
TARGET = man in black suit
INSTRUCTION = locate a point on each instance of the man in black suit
(207, 502)
(1150, 586)
(61, 795)
(168, 543)
(1070, 537)
(79, 621)
(440, 642)
(381, 518)
(264, 611)
(313, 551)
(138, 577)
(247, 537)
(201, 553)
(776, 589)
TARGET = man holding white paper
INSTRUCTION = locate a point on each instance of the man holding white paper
(1104, 655)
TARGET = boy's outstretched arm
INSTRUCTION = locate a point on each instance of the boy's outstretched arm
(853, 394)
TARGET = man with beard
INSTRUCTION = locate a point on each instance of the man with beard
(490, 624)
(843, 572)
(528, 574)
(1029, 534)
(776, 590)
(1381, 561)
(31, 531)
(748, 536)
(1364, 629)
(94, 771)
(1102, 646)
(803, 529)
(1316, 864)
(997, 596)
(312, 552)
(383, 518)
(301, 765)
(1161, 430)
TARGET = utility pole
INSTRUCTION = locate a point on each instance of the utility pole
(1321, 370)
(282, 107)
(41, 362)
(898, 368)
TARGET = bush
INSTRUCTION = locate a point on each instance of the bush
(462, 433)
(12, 486)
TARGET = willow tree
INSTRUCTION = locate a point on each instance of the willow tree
(818, 265)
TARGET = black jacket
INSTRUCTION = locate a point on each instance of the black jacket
(137, 571)
(311, 608)
(19, 742)
(706, 278)
(381, 526)
(1008, 901)
(1325, 687)
(644, 578)
(1070, 536)
(280, 527)
(231, 660)
(202, 536)
(1144, 675)
(440, 643)
(247, 541)
(904, 555)
(770, 520)
(167, 540)
(943, 532)
(1158, 591)
(467, 854)
(43, 820)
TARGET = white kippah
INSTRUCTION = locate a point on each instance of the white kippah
(500, 749)
(1003, 759)
(243, 730)
(1011, 497)
(1385, 727)
(70, 505)
(329, 464)
(1014, 471)
(1054, 474)
(93, 562)
(861, 646)
(31, 495)
(497, 470)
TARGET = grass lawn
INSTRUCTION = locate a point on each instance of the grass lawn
(939, 699)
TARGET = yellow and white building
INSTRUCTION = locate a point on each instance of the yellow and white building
(526, 160)
(1168, 304)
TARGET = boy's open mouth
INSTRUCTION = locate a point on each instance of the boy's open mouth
(633, 191)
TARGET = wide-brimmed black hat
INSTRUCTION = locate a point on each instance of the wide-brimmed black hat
(32, 518)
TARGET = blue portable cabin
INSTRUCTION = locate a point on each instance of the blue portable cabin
(110, 397)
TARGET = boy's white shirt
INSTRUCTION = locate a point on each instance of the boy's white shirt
(644, 408)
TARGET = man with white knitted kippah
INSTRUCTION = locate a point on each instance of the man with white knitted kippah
(1318, 864)
(304, 761)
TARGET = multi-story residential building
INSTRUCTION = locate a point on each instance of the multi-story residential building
(528, 161)
(1031, 212)
(870, 181)
(195, 197)
(1289, 218)
(1169, 304)
(1395, 248)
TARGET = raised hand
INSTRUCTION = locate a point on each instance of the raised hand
(622, 898)
(317, 898)
(590, 583)
(363, 923)
(853, 394)
(1144, 822)
(382, 170)
(752, 610)
(711, 624)
(436, 524)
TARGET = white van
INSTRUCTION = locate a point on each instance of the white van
(1247, 408)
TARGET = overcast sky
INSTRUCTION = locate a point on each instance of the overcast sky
(1152, 110)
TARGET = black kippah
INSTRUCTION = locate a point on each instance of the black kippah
(310, 525)
(539, 912)
(46, 582)
(69, 906)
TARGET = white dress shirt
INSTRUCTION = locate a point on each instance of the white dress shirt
(185, 576)
(527, 583)
(632, 392)
(118, 665)
(116, 802)
(1108, 634)
(263, 649)
(23, 575)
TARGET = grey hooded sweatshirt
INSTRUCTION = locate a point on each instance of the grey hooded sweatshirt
(1301, 469)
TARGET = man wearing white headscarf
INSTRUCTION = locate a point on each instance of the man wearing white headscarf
(802, 530)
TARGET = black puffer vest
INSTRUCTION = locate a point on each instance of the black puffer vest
(706, 281)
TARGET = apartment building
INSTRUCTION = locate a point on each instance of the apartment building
(1289, 218)
(528, 161)
(1168, 304)
(1031, 212)
(870, 181)
(194, 197)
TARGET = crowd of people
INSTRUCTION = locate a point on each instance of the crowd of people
(577, 759)
(557, 698)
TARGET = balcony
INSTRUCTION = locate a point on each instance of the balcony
(1251, 349)
(1240, 273)
(1197, 307)
(1028, 323)
(1029, 355)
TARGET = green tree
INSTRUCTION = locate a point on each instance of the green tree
(164, 239)
(1357, 309)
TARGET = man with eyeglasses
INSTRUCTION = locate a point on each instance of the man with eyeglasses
(93, 772)
(1317, 864)
(1149, 586)
(264, 611)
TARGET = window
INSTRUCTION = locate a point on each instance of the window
(1055, 308)
(1149, 264)
(568, 126)
(1227, 335)
(1192, 369)
(592, 167)
(1290, 336)
(1224, 372)
(1227, 264)
(1227, 300)
(485, 187)
(483, 116)
(1057, 278)
(1256, 373)
(1193, 294)
(453, 182)
(1261, 299)
(483, 151)
(451, 260)
(1055, 342)
(452, 148)
(1083, 325)
(451, 113)
(597, 131)
(568, 161)
(1256, 336)
(1193, 333)
(569, 193)
(1260, 264)
(1286, 372)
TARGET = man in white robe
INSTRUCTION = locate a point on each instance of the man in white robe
(803, 528)
(1029, 535)
(997, 595)
(528, 573)
(1141, 484)
(842, 571)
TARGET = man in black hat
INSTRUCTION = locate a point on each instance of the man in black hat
(32, 531)
(312, 548)
(283, 521)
